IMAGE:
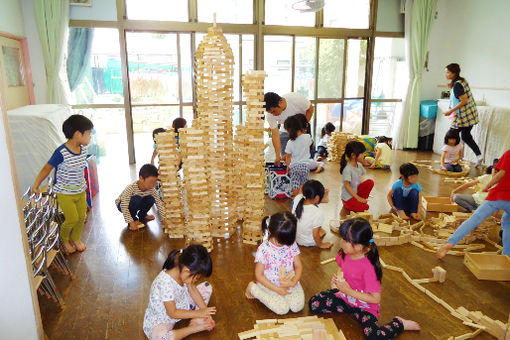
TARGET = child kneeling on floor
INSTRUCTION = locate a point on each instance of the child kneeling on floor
(278, 267)
(309, 216)
(355, 193)
(138, 198)
(356, 287)
(405, 194)
(174, 295)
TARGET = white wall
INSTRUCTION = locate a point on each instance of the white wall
(389, 18)
(105, 10)
(17, 316)
(476, 35)
(35, 52)
(11, 20)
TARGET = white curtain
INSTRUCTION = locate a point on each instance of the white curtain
(52, 18)
(418, 21)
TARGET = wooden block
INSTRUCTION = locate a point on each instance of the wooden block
(488, 267)
(385, 228)
(439, 204)
(439, 273)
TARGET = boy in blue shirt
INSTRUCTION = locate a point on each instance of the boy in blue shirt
(405, 194)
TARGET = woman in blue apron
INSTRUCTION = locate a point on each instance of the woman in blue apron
(463, 106)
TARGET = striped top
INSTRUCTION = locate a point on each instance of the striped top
(134, 190)
(466, 115)
(69, 170)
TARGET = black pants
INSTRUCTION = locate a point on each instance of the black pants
(465, 134)
(139, 206)
(322, 151)
(328, 302)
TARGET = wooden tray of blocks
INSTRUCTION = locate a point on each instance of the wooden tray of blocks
(488, 266)
(438, 204)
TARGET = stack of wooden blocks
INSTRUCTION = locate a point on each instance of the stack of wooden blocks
(196, 186)
(169, 160)
(303, 328)
(253, 175)
(214, 69)
(336, 145)
(445, 225)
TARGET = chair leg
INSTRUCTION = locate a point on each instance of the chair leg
(63, 264)
(54, 290)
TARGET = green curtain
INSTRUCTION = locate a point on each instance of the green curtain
(52, 19)
(418, 26)
(79, 47)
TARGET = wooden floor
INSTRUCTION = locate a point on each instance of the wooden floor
(108, 297)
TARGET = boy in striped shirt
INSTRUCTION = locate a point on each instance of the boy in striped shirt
(137, 199)
(69, 161)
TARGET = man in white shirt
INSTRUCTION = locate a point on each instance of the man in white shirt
(281, 108)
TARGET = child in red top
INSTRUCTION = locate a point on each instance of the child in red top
(498, 199)
(356, 288)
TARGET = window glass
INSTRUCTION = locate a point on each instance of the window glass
(355, 71)
(347, 13)
(280, 12)
(390, 74)
(353, 116)
(327, 113)
(381, 117)
(227, 11)
(278, 63)
(304, 75)
(331, 63)
(160, 10)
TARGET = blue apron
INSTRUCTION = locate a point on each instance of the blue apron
(454, 101)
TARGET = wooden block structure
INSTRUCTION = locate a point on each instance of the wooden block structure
(438, 204)
(196, 186)
(169, 159)
(253, 177)
(439, 273)
(427, 163)
(214, 69)
(306, 328)
(336, 145)
(445, 225)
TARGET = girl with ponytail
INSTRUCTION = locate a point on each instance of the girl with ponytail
(174, 295)
(309, 217)
(354, 192)
(356, 288)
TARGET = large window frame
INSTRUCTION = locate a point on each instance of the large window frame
(258, 29)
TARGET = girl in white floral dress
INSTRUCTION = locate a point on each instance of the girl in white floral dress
(278, 267)
(174, 296)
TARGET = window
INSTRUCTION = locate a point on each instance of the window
(381, 117)
(227, 11)
(355, 71)
(328, 112)
(278, 63)
(353, 116)
(347, 13)
(304, 74)
(153, 69)
(102, 82)
(280, 12)
(331, 61)
(159, 10)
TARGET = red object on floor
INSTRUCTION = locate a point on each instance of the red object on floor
(364, 189)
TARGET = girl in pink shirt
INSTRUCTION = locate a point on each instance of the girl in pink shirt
(356, 288)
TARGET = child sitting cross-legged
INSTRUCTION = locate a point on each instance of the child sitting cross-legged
(137, 199)
(405, 194)
(452, 152)
(356, 288)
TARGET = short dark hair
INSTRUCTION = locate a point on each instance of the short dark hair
(408, 169)
(156, 131)
(272, 100)
(305, 124)
(452, 134)
(329, 127)
(178, 123)
(488, 171)
(282, 226)
(76, 123)
(148, 170)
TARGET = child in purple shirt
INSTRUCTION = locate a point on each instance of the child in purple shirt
(356, 288)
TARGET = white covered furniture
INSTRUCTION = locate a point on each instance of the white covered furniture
(492, 133)
(36, 131)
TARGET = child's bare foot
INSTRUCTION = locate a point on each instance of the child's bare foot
(409, 325)
(326, 245)
(247, 292)
(79, 245)
(441, 252)
(318, 170)
(135, 225)
(402, 214)
(416, 216)
(68, 248)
